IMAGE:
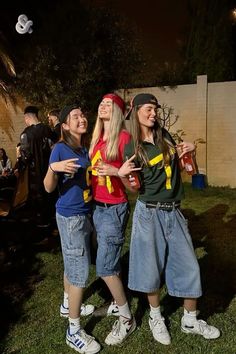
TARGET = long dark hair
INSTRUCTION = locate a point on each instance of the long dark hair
(158, 136)
(4, 157)
(68, 138)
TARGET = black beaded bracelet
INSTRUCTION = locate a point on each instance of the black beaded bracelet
(52, 170)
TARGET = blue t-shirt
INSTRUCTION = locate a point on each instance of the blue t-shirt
(75, 193)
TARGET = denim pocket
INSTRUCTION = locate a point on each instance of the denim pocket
(121, 213)
(143, 213)
(113, 252)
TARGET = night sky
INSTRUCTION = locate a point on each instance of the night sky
(161, 23)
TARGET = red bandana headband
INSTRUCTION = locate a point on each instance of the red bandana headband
(117, 99)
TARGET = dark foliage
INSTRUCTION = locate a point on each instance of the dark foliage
(76, 52)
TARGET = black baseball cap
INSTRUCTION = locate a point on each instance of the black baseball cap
(66, 111)
(141, 99)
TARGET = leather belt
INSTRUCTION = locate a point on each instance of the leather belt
(167, 206)
(104, 205)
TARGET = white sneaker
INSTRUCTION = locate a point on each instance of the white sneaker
(120, 331)
(85, 310)
(202, 328)
(159, 330)
(113, 309)
(82, 342)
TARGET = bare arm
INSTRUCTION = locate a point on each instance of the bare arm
(51, 178)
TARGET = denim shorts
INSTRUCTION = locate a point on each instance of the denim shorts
(161, 244)
(110, 224)
(75, 234)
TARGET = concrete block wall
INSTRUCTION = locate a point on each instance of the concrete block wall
(207, 111)
(221, 134)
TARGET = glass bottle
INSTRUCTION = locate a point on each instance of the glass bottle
(189, 163)
(101, 179)
(133, 179)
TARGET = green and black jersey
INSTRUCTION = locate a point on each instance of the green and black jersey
(158, 184)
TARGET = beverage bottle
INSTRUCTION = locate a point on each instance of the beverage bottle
(69, 175)
(101, 179)
(133, 179)
(189, 163)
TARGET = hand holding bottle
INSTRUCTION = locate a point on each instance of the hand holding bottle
(128, 169)
(98, 167)
(184, 151)
(69, 167)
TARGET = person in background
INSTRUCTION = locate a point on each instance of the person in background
(18, 165)
(111, 209)
(53, 120)
(7, 178)
(5, 162)
(69, 171)
(160, 240)
(35, 149)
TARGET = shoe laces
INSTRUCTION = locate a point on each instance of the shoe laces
(116, 328)
(81, 334)
(119, 326)
(159, 324)
(203, 326)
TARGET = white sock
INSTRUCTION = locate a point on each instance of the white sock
(65, 300)
(74, 324)
(124, 311)
(189, 317)
(155, 312)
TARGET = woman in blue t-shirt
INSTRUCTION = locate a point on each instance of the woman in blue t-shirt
(68, 170)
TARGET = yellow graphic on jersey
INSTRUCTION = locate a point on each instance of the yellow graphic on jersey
(96, 157)
(167, 168)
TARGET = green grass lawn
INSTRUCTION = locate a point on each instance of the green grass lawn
(31, 289)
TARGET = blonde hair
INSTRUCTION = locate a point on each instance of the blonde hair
(159, 140)
(116, 126)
